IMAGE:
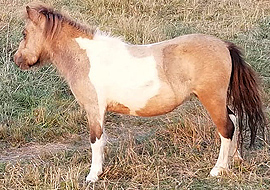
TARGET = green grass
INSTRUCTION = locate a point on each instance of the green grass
(175, 151)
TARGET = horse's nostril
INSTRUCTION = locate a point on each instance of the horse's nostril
(17, 58)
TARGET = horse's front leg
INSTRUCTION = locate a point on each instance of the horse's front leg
(86, 95)
(98, 141)
(97, 159)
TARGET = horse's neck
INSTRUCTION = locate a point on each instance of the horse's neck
(69, 59)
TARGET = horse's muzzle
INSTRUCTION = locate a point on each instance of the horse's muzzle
(20, 61)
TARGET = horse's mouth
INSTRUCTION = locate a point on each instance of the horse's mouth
(23, 66)
(36, 64)
(26, 66)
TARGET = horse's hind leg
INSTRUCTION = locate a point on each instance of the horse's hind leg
(225, 122)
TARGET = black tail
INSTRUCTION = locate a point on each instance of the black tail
(244, 96)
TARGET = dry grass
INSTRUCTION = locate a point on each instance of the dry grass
(175, 151)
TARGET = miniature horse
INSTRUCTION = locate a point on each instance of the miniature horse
(107, 74)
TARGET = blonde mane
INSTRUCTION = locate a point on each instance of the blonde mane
(55, 19)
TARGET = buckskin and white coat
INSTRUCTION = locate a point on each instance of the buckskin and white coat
(107, 74)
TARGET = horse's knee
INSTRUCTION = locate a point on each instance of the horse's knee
(95, 127)
(95, 133)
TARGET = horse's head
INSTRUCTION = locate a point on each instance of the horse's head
(32, 49)
(46, 34)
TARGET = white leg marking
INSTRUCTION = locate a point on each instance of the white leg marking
(97, 158)
(222, 162)
(233, 150)
(228, 148)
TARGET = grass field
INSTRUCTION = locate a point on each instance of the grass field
(43, 132)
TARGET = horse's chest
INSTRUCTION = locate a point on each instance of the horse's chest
(124, 80)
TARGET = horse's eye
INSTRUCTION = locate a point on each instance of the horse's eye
(24, 34)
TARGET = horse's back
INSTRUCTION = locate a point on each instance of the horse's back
(194, 62)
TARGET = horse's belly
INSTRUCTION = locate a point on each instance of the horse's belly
(157, 106)
(141, 105)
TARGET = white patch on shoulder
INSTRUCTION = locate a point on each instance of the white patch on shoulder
(117, 75)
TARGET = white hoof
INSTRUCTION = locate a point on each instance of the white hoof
(217, 171)
(93, 176)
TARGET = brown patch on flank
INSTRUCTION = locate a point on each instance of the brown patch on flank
(172, 75)
(118, 108)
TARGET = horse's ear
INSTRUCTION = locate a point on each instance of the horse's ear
(32, 14)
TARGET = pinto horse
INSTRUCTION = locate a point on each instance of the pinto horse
(107, 74)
